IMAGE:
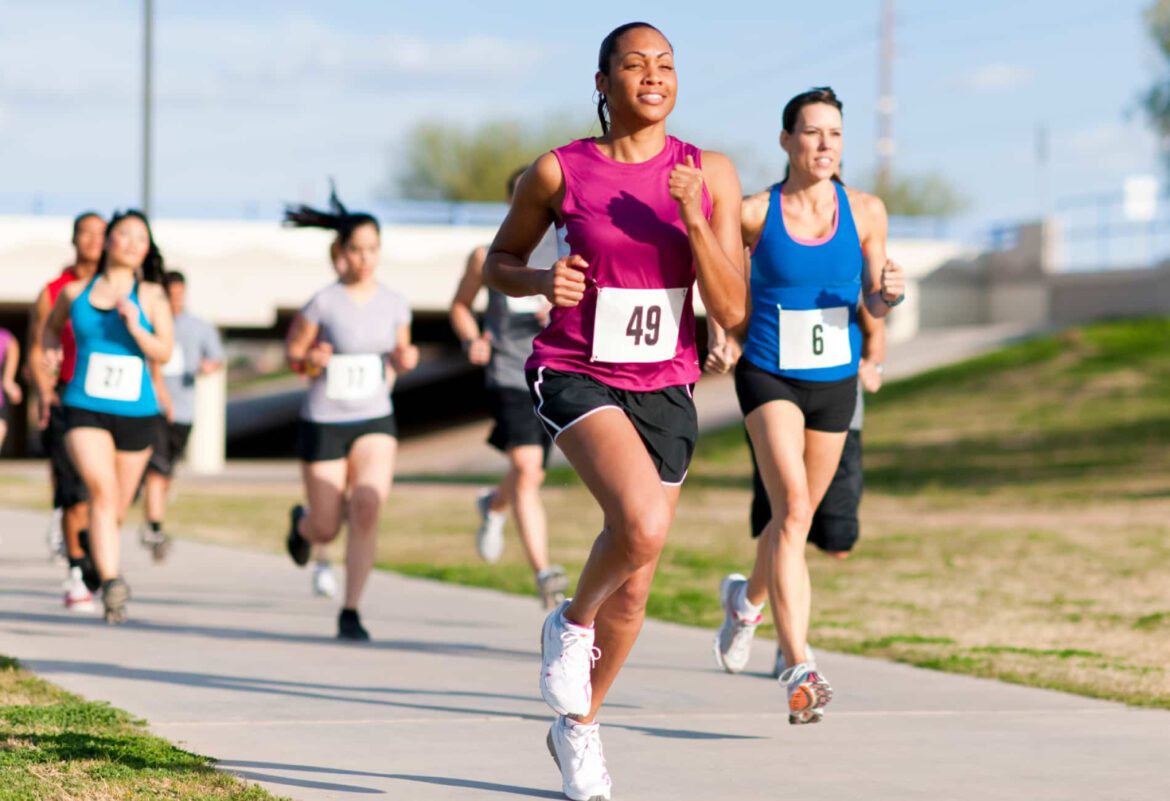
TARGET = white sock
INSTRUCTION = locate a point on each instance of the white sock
(745, 608)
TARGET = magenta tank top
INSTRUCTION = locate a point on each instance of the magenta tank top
(635, 327)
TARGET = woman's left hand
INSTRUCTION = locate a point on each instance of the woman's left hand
(893, 281)
(686, 188)
(14, 392)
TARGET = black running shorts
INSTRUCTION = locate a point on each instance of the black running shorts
(130, 434)
(665, 419)
(836, 525)
(827, 405)
(169, 446)
(516, 422)
(323, 442)
(68, 488)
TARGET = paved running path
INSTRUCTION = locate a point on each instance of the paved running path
(227, 654)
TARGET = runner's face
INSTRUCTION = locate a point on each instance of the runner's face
(641, 83)
(360, 254)
(814, 146)
(177, 293)
(91, 236)
(128, 243)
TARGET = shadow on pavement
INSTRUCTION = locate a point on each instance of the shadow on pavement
(473, 650)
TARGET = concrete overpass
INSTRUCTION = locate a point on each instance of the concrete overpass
(247, 277)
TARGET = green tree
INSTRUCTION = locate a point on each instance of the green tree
(930, 195)
(445, 162)
(1156, 100)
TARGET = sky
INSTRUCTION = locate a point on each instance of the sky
(258, 102)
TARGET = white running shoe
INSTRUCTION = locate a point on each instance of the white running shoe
(78, 598)
(489, 539)
(808, 693)
(780, 665)
(576, 748)
(551, 584)
(733, 641)
(324, 579)
(567, 656)
(55, 536)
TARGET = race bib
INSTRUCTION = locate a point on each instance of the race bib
(815, 338)
(177, 365)
(637, 325)
(530, 304)
(354, 377)
(117, 378)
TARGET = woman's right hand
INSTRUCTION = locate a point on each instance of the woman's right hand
(479, 350)
(564, 284)
(317, 359)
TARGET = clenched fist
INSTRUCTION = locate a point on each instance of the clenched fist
(893, 282)
(564, 284)
(686, 188)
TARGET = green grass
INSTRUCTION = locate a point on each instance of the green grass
(1016, 522)
(55, 745)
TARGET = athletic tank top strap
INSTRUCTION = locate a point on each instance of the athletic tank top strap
(804, 297)
(110, 374)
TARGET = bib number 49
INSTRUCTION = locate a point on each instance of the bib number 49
(637, 326)
(648, 331)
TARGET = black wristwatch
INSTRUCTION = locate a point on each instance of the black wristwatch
(895, 301)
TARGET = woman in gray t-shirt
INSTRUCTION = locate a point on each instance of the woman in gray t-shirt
(347, 339)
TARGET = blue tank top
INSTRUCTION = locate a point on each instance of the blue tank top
(804, 299)
(111, 374)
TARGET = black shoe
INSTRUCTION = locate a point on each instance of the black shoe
(349, 627)
(89, 573)
(299, 548)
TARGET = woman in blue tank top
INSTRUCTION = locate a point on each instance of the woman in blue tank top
(122, 322)
(817, 247)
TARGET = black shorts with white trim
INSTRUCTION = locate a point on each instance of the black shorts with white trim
(665, 419)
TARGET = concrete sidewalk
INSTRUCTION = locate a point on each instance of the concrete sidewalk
(228, 655)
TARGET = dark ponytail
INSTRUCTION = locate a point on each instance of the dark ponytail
(153, 268)
(608, 45)
(818, 94)
(338, 218)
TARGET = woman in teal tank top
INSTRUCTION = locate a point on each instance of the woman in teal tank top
(817, 247)
(122, 324)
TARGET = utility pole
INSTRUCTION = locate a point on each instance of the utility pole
(147, 100)
(885, 101)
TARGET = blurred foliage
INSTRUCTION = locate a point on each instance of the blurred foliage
(1156, 100)
(930, 195)
(447, 162)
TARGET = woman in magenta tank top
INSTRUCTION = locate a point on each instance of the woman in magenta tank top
(646, 215)
(817, 248)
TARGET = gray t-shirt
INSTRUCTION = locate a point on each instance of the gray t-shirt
(354, 386)
(513, 323)
(859, 411)
(196, 340)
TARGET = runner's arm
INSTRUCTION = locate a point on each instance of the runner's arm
(156, 346)
(38, 371)
(11, 363)
(717, 244)
(875, 225)
(463, 321)
(539, 192)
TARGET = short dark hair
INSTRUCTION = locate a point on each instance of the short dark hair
(175, 277)
(80, 218)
